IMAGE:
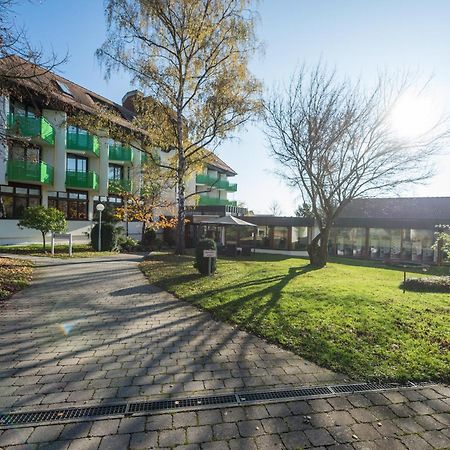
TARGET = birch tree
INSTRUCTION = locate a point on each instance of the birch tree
(333, 141)
(190, 59)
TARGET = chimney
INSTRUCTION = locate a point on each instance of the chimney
(128, 99)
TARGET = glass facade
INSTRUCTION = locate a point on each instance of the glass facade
(280, 238)
(383, 243)
(74, 204)
(299, 238)
(14, 199)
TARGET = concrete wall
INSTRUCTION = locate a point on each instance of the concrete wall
(10, 233)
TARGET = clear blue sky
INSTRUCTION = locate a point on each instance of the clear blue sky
(358, 37)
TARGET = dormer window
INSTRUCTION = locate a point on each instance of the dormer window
(63, 88)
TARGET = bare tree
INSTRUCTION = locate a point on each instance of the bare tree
(334, 143)
(190, 57)
(275, 208)
(15, 42)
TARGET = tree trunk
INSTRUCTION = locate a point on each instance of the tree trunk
(318, 249)
(43, 241)
(181, 188)
(143, 233)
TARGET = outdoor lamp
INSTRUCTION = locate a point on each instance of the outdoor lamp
(100, 207)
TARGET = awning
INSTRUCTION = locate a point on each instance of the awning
(227, 220)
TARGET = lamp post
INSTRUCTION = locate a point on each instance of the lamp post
(100, 207)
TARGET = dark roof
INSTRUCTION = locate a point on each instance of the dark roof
(395, 212)
(214, 162)
(279, 221)
(61, 91)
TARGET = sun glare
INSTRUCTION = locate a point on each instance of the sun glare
(414, 115)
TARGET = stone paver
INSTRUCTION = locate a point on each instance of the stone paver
(93, 332)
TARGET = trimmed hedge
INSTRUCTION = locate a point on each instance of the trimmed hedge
(201, 263)
(110, 236)
(427, 284)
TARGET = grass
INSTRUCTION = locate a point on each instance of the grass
(61, 250)
(351, 316)
(15, 274)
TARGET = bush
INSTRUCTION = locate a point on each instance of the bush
(201, 263)
(127, 244)
(427, 284)
(110, 235)
(149, 237)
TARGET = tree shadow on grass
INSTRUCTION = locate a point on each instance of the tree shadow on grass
(274, 291)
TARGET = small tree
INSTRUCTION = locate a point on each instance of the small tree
(304, 210)
(45, 220)
(442, 242)
(275, 208)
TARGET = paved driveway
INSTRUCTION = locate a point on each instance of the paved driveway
(93, 331)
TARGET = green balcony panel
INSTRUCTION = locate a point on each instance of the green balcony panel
(211, 201)
(120, 186)
(83, 141)
(34, 127)
(28, 171)
(119, 153)
(144, 157)
(216, 182)
(82, 180)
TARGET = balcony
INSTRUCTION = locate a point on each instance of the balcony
(81, 180)
(38, 128)
(28, 171)
(211, 201)
(120, 186)
(217, 183)
(83, 141)
(119, 153)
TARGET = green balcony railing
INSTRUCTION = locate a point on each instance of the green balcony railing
(216, 182)
(119, 153)
(34, 127)
(120, 186)
(211, 201)
(28, 171)
(83, 180)
(144, 157)
(83, 141)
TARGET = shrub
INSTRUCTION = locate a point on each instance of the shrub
(110, 235)
(148, 238)
(44, 219)
(201, 263)
(427, 284)
(127, 244)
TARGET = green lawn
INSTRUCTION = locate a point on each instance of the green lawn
(61, 250)
(351, 316)
(15, 274)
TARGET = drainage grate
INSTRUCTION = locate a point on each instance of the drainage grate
(160, 405)
(290, 393)
(363, 387)
(60, 415)
(55, 415)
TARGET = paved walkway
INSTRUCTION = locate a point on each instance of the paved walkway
(94, 332)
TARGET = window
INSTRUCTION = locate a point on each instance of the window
(115, 172)
(23, 110)
(32, 154)
(14, 199)
(74, 204)
(63, 88)
(76, 163)
(299, 238)
(280, 235)
(112, 200)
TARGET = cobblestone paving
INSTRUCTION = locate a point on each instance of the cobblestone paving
(410, 419)
(94, 332)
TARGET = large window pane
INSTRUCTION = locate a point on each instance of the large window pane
(299, 238)
(280, 235)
